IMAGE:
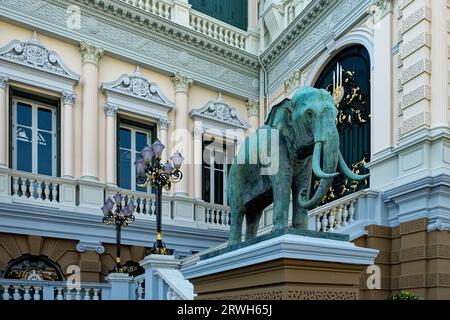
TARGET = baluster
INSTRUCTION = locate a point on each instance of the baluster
(199, 25)
(39, 190)
(32, 188)
(87, 294)
(318, 223)
(167, 12)
(96, 296)
(154, 8)
(153, 208)
(332, 219)
(144, 206)
(221, 33)
(220, 216)
(59, 294)
(147, 5)
(37, 294)
(345, 215)
(160, 10)
(47, 192)
(15, 187)
(56, 194)
(351, 211)
(211, 214)
(6, 295)
(215, 34)
(16, 295)
(26, 295)
(138, 206)
(78, 294)
(69, 294)
(229, 218)
(325, 221)
(215, 216)
(227, 37)
(242, 44)
(140, 290)
(338, 217)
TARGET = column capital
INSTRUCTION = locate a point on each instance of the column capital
(198, 132)
(252, 108)
(68, 98)
(111, 109)
(182, 83)
(90, 53)
(164, 123)
(3, 81)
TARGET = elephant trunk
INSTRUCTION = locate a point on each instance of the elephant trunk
(329, 148)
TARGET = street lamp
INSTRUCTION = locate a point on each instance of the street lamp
(151, 171)
(121, 216)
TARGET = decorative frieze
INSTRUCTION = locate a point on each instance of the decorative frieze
(252, 108)
(420, 119)
(423, 92)
(293, 81)
(418, 16)
(181, 83)
(421, 66)
(415, 253)
(412, 281)
(90, 53)
(68, 98)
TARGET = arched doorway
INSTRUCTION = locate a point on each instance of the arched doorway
(29, 267)
(348, 73)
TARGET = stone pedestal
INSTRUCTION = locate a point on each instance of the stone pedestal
(291, 267)
(120, 286)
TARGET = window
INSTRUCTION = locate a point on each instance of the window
(34, 138)
(217, 160)
(132, 139)
(353, 121)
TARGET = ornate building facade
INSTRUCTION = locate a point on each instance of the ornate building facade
(85, 85)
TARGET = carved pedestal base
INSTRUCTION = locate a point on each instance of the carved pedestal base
(288, 267)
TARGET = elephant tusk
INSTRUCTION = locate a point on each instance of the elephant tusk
(349, 173)
(316, 163)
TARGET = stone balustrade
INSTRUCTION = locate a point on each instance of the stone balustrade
(37, 188)
(217, 215)
(49, 290)
(158, 7)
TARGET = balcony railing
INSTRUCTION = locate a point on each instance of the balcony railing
(49, 290)
(37, 188)
(197, 21)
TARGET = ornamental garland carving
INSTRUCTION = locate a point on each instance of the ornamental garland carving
(33, 54)
(220, 111)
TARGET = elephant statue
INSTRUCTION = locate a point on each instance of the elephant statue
(299, 137)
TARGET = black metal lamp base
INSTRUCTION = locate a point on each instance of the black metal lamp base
(160, 248)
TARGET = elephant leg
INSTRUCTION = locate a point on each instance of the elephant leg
(252, 220)
(299, 214)
(281, 198)
(237, 218)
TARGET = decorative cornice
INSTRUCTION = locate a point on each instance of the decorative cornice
(111, 109)
(34, 55)
(90, 52)
(252, 108)
(164, 123)
(220, 111)
(68, 98)
(181, 83)
(137, 86)
(3, 81)
(90, 246)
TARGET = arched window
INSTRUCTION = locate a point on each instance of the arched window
(28, 267)
(347, 76)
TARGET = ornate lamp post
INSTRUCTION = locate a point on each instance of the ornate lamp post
(121, 216)
(161, 176)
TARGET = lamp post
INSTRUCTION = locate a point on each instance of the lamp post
(151, 171)
(121, 216)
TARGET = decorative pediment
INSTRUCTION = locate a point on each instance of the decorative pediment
(138, 87)
(33, 54)
(220, 111)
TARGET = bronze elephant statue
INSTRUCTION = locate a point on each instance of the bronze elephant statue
(299, 137)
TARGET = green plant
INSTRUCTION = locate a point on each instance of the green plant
(404, 295)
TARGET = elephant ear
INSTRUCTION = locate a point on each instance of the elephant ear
(280, 117)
